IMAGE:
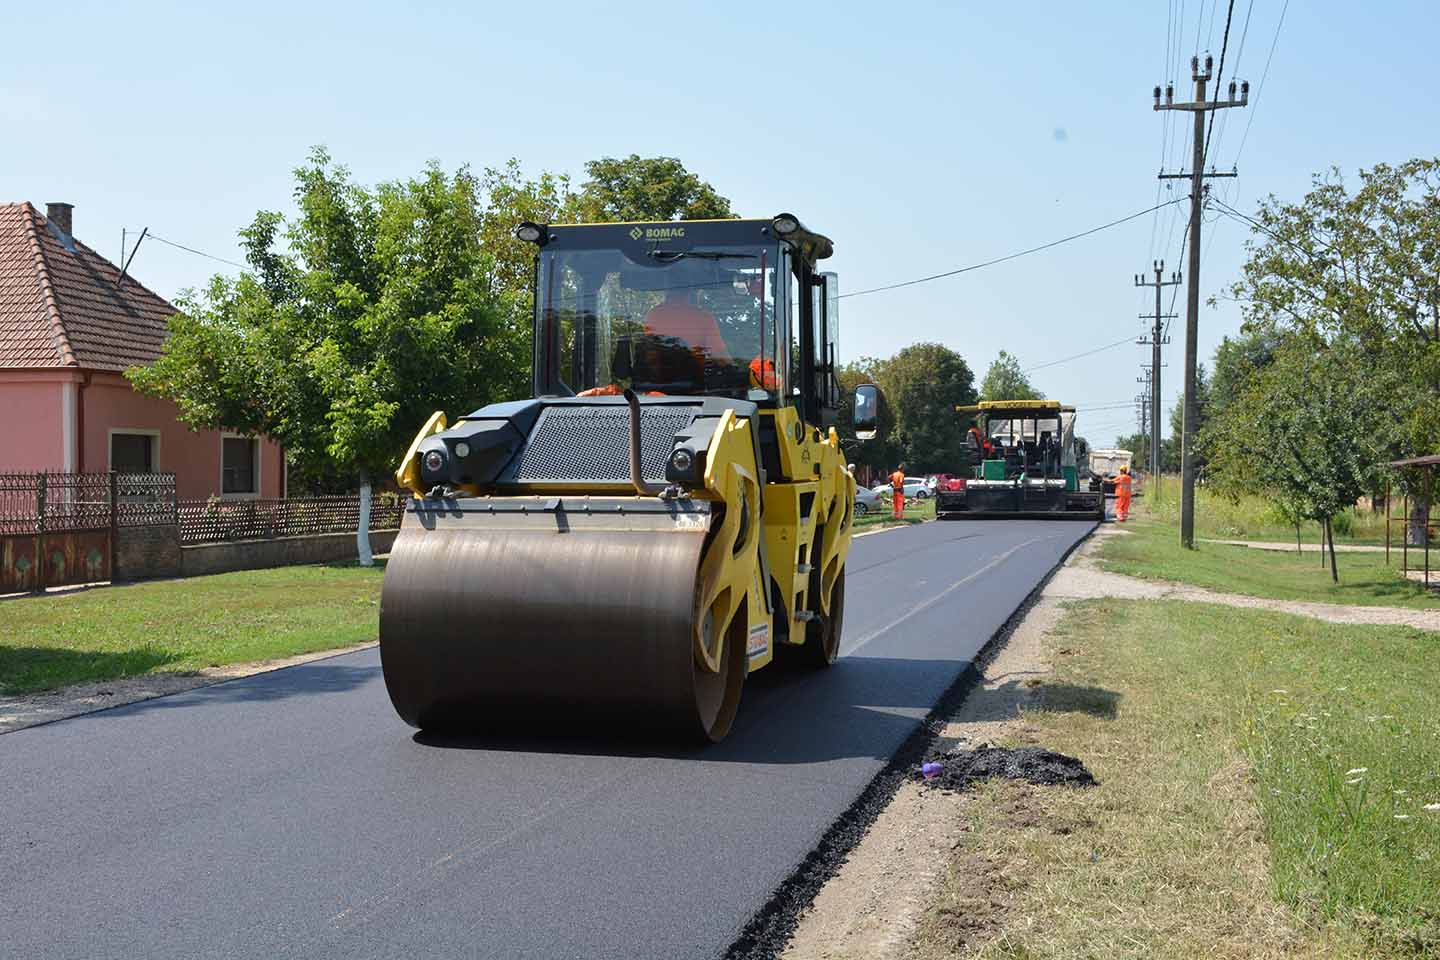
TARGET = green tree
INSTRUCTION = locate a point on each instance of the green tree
(1170, 447)
(1305, 429)
(922, 383)
(1360, 269)
(1006, 381)
(359, 317)
(646, 188)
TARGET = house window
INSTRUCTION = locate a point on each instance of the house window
(238, 459)
(132, 453)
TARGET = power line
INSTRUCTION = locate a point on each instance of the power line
(1219, 73)
(1054, 363)
(1012, 256)
(1260, 89)
(200, 253)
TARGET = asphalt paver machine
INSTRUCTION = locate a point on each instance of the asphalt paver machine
(1024, 454)
(668, 513)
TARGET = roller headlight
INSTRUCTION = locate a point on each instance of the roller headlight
(434, 461)
(682, 460)
(462, 449)
(785, 224)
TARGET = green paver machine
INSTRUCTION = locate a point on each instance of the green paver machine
(1024, 451)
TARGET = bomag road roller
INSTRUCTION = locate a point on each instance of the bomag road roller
(1024, 451)
(668, 513)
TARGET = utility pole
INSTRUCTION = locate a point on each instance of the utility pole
(1156, 340)
(1199, 107)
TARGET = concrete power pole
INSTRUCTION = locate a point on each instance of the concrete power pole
(1199, 107)
(1156, 340)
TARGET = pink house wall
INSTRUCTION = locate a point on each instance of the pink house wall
(32, 434)
(31, 430)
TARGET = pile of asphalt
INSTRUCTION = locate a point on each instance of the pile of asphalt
(959, 768)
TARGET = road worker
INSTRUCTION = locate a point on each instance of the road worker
(981, 443)
(897, 496)
(1122, 495)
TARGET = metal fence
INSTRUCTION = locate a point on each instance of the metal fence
(34, 503)
(220, 521)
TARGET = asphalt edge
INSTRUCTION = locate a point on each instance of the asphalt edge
(768, 932)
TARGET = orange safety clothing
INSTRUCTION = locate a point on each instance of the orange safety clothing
(1122, 497)
(762, 374)
(613, 390)
(678, 319)
(897, 496)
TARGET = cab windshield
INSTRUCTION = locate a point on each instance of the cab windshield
(697, 322)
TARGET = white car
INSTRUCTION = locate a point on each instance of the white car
(915, 489)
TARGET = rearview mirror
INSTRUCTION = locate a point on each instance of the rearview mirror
(867, 411)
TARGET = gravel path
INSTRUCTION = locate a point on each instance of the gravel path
(1284, 546)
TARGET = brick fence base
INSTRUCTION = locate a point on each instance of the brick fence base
(142, 553)
(280, 552)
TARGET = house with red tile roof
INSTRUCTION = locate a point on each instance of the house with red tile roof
(70, 325)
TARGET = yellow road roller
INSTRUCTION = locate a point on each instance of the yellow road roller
(669, 512)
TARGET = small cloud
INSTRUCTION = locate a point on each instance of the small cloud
(1060, 135)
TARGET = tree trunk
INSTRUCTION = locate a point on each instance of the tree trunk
(1322, 544)
(1297, 537)
(1330, 537)
(1416, 527)
(362, 533)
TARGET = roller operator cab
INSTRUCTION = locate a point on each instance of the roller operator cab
(1024, 455)
(668, 513)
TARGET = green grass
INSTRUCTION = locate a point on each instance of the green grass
(1152, 551)
(184, 625)
(1263, 779)
(1255, 517)
(916, 511)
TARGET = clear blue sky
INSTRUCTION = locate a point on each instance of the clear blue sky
(919, 137)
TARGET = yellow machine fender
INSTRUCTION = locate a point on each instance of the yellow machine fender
(728, 570)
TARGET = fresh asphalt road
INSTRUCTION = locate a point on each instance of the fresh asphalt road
(292, 814)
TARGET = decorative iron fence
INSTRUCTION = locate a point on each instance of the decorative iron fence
(144, 499)
(219, 521)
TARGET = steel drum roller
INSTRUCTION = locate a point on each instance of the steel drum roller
(477, 623)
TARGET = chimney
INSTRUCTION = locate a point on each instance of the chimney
(59, 215)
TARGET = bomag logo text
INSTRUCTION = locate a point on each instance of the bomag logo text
(657, 233)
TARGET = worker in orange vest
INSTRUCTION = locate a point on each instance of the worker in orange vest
(897, 496)
(1122, 495)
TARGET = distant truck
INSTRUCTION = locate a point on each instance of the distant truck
(1105, 467)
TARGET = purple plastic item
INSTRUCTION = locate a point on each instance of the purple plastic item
(931, 770)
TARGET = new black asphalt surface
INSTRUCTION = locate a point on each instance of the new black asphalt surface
(292, 814)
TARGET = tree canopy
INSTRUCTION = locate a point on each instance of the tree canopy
(646, 188)
(922, 383)
(370, 308)
(357, 319)
(1006, 381)
(1359, 269)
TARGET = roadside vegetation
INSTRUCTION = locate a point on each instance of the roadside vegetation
(916, 511)
(184, 625)
(1268, 787)
(1254, 516)
(1152, 551)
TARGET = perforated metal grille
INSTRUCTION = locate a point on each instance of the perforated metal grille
(593, 443)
